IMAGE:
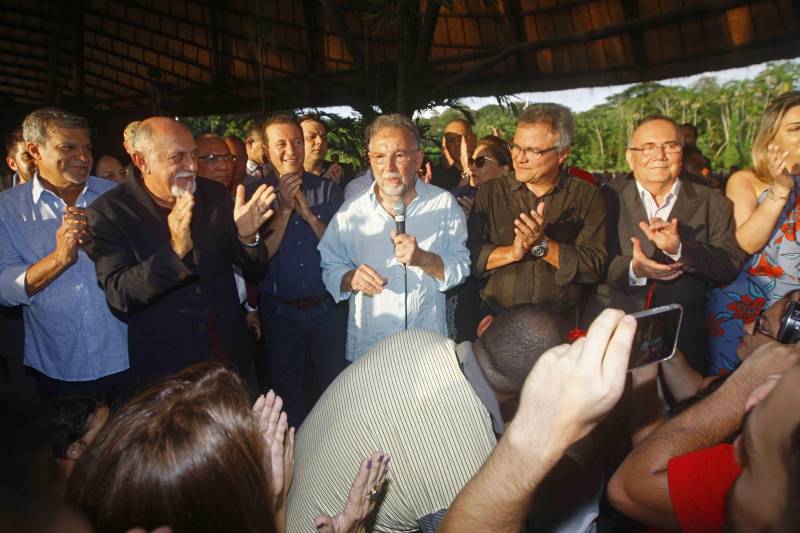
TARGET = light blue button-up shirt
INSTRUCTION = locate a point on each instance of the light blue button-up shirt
(70, 334)
(360, 234)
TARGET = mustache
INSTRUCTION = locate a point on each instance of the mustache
(185, 174)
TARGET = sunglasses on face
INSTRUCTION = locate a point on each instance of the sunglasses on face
(482, 159)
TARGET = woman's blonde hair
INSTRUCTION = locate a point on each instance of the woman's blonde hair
(770, 122)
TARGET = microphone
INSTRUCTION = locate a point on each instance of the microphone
(400, 217)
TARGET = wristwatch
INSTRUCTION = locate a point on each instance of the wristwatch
(539, 249)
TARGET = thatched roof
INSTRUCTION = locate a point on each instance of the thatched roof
(133, 58)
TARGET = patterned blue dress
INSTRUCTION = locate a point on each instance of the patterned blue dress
(765, 278)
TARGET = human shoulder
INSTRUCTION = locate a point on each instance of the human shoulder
(745, 181)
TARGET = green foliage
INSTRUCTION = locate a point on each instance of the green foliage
(727, 116)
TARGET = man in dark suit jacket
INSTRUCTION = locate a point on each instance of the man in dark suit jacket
(164, 242)
(654, 262)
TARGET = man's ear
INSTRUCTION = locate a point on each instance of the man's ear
(33, 149)
(484, 324)
(139, 161)
(75, 450)
(629, 159)
(12, 164)
(563, 155)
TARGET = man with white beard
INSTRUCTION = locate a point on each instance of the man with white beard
(164, 242)
(394, 280)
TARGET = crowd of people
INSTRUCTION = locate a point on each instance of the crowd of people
(465, 321)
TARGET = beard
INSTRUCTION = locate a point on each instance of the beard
(393, 189)
(185, 182)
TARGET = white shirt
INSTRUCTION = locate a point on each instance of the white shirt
(653, 210)
(359, 185)
(360, 234)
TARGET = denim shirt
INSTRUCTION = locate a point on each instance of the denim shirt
(70, 334)
(294, 270)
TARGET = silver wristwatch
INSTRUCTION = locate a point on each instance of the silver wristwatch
(539, 249)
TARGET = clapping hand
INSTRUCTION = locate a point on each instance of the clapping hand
(72, 234)
(179, 223)
(664, 235)
(528, 230)
(644, 267)
(250, 216)
(364, 494)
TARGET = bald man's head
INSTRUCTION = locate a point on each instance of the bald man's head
(513, 342)
(214, 159)
(165, 152)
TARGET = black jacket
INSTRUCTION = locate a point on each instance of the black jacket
(165, 300)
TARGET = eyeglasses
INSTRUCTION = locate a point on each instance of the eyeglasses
(482, 159)
(649, 149)
(211, 158)
(530, 153)
(758, 326)
(400, 158)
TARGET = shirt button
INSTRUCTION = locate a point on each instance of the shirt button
(201, 327)
(301, 264)
(198, 290)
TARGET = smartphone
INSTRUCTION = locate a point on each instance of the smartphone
(656, 335)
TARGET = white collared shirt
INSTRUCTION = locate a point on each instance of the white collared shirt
(653, 210)
(360, 234)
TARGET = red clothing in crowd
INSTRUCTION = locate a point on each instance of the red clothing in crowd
(698, 484)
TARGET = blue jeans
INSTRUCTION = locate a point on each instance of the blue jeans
(291, 334)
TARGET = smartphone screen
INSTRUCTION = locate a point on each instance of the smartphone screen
(656, 335)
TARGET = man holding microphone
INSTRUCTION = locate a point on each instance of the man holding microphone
(394, 278)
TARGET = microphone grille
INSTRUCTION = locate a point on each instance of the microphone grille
(399, 209)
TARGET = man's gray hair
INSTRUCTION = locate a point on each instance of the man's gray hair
(37, 125)
(652, 118)
(395, 120)
(556, 116)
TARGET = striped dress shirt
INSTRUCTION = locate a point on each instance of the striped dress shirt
(408, 397)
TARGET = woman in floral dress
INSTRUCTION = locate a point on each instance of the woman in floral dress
(766, 205)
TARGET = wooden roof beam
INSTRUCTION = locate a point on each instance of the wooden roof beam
(346, 34)
(599, 33)
(425, 38)
(77, 47)
(516, 30)
(52, 60)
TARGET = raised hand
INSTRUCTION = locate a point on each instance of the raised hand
(427, 176)
(179, 222)
(364, 493)
(572, 387)
(528, 230)
(664, 235)
(334, 173)
(464, 156)
(777, 161)
(271, 420)
(644, 267)
(250, 216)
